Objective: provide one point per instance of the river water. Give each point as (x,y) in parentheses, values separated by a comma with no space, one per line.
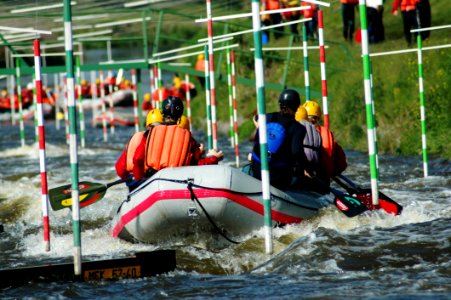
(372,256)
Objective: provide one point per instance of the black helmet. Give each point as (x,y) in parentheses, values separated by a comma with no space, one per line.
(173,107)
(290,98)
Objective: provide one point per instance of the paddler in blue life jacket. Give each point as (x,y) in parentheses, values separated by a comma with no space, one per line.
(285,143)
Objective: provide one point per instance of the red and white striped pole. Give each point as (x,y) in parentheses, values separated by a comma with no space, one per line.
(41,139)
(188,101)
(152,86)
(135,101)
(235,110)
(212,75)
(102,96)
(322,59)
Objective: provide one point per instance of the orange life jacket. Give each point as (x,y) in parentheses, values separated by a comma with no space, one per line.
(134,142)
(327,150)
(408,5)
(350,1)
(168,146)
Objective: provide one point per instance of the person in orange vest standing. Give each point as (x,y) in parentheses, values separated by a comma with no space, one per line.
(348,8)
(272,19)
(332,157)
(410,16)
(312,25)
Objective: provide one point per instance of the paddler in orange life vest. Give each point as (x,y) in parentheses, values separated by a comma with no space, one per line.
(332,157)
(130,165)
(170,145)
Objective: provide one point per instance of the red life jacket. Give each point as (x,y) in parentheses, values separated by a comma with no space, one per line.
(333,158)
(408,5)
(168,146)
(350,1)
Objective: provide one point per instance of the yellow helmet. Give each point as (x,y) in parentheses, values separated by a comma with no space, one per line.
(97,81)
(154,116)
(184,122)
(200,56)
(147,97)
(301,114)
(127,82)
(313,108)
(84,82)
(177,82)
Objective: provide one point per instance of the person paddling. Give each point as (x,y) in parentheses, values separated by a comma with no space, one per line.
(130,164)
(333,159)
(285,143)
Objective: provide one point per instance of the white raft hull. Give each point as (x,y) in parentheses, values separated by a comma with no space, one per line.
(163,206)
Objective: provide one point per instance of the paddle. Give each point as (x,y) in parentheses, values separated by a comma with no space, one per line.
(90,192)
(347,204)
(364,195)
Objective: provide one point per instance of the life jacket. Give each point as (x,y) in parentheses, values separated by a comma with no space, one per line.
(168,146)
(408,5)
(133,144)
(309,13)
(275,134)
(312,143)
(350,1)
(327,150)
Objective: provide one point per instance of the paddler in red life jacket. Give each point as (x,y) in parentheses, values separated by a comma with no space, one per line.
(130,165)
(170,145)
(332,157)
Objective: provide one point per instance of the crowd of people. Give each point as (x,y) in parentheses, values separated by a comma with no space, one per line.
(415,14)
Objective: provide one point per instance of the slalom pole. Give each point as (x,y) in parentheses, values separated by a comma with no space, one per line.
(135,101)
(212,75)
(306,66)
(207,99)
(11,99)
(102,96)
(287,61)
(57,96)
(374,121)
(110,89)
(39,113)
(422,106)
(19,98)
(35,107)
(322,58)
(66,109)
(261,106)
(80,103)
(229,85)
(73,136)
(93,96)
(152,87)
(235,110)
(371,129)
(188,101)
(158,103)
(160,85)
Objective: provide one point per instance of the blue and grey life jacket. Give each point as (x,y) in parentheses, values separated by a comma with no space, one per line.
(275,134)
(312,143)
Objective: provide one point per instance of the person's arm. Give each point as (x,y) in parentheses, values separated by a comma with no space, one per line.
(138,160)
(395,7)
(121,165)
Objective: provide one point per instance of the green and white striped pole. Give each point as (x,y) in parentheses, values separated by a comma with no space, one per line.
(229,85)
(57,94)
(235,110)
(371,129)
(261,107)
(80,104)
(160,85)
(207,98)
(19,98)
(11,98)
(72,136)
(102,96)
(422,106)
(306,67)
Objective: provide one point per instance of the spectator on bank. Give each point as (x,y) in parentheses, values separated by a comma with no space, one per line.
(375,11)
(348,8)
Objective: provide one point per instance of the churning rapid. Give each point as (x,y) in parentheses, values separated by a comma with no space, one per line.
(372,255)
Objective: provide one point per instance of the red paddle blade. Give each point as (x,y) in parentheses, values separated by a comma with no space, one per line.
(385,202)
